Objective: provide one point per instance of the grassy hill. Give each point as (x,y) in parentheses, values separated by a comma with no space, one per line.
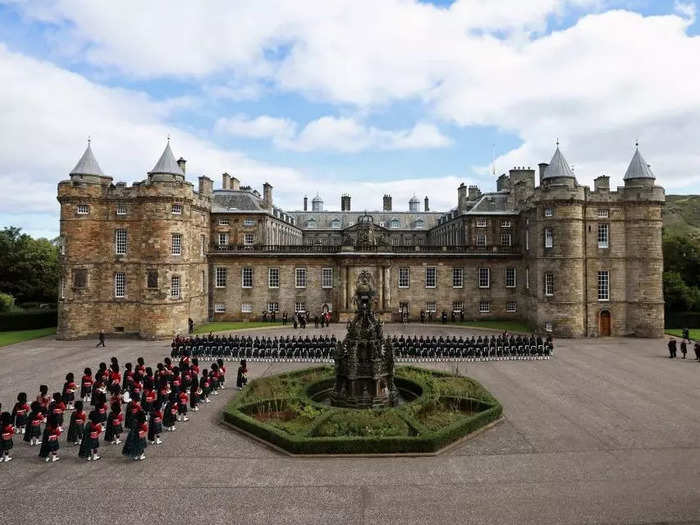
(682,216)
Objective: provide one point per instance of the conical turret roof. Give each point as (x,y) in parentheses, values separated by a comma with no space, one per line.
(638,168)
(166,164)
(558,167)
(87,165)
(317,198)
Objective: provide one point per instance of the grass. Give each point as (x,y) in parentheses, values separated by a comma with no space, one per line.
(17,336)
(226,327)
(511,326)
(694,333)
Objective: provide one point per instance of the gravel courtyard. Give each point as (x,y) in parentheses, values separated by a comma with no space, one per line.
(608,431)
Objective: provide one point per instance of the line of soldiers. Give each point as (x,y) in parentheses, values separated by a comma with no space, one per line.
(321,348)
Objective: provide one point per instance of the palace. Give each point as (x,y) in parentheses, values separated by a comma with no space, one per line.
(145,258)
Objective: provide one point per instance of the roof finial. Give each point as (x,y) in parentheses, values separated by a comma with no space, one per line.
(89,140)
(168,138)
(557,142)
(636,143)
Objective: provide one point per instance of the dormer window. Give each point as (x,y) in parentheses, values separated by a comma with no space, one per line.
(311,223)
(420,224)
(395,223)
(335,224)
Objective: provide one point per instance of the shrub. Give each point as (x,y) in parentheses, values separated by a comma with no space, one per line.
(7,302)
(27,320)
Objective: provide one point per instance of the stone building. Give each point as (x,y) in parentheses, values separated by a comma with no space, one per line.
(566,258)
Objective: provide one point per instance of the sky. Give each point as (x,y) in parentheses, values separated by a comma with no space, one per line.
(364,97)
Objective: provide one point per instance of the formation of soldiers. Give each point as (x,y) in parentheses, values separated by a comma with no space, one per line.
(321,348)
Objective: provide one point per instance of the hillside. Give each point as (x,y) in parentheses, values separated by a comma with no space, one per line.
(682,216)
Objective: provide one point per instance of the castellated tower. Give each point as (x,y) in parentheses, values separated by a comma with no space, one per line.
(133,258)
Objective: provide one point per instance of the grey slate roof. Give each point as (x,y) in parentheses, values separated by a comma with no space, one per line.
(166,164)
(558,167)
(638,168)
(233,201)
(491,203)
(87,165)
(332,220)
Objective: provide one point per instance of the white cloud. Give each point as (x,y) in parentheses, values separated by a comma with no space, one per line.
(332,134)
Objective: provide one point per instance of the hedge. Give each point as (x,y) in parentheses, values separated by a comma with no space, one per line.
(28,320)
(682,320)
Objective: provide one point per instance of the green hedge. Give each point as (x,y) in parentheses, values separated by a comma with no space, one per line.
(426,441)
(682,320)
(28,320)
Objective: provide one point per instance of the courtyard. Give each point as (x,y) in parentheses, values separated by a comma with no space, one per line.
(606,432)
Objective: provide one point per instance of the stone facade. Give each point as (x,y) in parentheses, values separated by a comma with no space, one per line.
(568,259)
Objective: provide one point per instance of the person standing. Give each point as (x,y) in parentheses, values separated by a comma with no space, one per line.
(684,348)
(101,338)
(284,318)
(697,350)
(6,433)
(49,443)
(672,348)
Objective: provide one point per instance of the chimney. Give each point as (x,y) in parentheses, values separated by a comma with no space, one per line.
(427,204)
(387,202)
(306,203)
(601,183)
(235,184)
(225,181)
(474,193)
(462,198)
(345,202)
(181,162)
(543,166)
(206,185)
(267,195)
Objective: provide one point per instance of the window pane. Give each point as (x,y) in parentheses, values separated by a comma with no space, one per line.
(457,277)
(175,286)
(273,278)
(247,277)
(603,286)
(300,279)
(484,278)
(510,277)
(176,244)
(404,278)
(221,277)
(603,235)
(430,277)
(327,278)
(120,284)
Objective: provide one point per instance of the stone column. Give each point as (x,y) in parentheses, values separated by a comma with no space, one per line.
(380,288)
(343,287)
(387,288)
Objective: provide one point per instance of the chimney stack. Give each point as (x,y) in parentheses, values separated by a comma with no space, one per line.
(601,183)
(345,202)
(206,186)
(181,162)
(462,198)
(235,184)
(543,166)
(306,203)
(474,193)
(267,195)
(225,181)
(427,204)
(387,202)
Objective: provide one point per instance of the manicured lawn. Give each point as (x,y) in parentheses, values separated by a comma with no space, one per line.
(511,326)
(10,338)
(225,327)
(694,333)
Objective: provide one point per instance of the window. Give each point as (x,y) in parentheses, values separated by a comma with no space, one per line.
(419,224)
(299,307)
(152,279)
(246,308)
(120,284)
(430,277)
(62,287)
(223,221)
(404,278)
(458,306)
(548,326)
(549,284)
(603,213)
(403,308)
(203,244)
(177,209)
(484,278)
(527,239)
(481,223)
(120,242)
(457,277)
(62,245)
(548,212)
(506,239)
(484,307)
(219,308)
(510,277)
(246,277)
(176,244)
(121,209)
(505,224)
(248,238)
(204,281)
(175,286)
(335,224)
(511,307)
(273,307)
(395,223)
(603,237)
(300,277)
(83,209)
(603,285)
(481,239)
(430,307)
(221,277)
(223,239)
(249,222)
(327,278)
(548,238)
(79,278)
(273,277)
(527,278)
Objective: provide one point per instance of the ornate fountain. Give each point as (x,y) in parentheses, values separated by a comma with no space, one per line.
(364,361)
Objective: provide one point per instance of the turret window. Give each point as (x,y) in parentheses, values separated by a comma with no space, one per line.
(80,278)
(175,287)
(603,285)
(177,209)
(549,284)
(152,279)
(603,235)
(176,244)
(83,209)
(548,238)
(120,284)
(120,241)
(121,209)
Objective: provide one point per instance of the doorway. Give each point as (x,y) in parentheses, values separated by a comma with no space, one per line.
(605,323)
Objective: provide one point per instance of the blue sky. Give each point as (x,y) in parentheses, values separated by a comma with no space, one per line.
(400,97)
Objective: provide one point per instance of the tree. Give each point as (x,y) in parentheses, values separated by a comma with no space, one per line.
(29,268)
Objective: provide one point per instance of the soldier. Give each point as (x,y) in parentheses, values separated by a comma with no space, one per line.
(684,348)
(672,348)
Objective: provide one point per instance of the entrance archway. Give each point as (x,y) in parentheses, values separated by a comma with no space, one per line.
(605,322)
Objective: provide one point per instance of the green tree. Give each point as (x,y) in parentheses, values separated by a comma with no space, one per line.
(682,255)
(29,268)
(7,302)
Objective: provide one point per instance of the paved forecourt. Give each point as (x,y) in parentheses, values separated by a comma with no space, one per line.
(606,431)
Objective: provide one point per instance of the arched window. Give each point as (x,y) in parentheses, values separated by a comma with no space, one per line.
(311,223)
(335,223)
(395,223)
(420,224)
